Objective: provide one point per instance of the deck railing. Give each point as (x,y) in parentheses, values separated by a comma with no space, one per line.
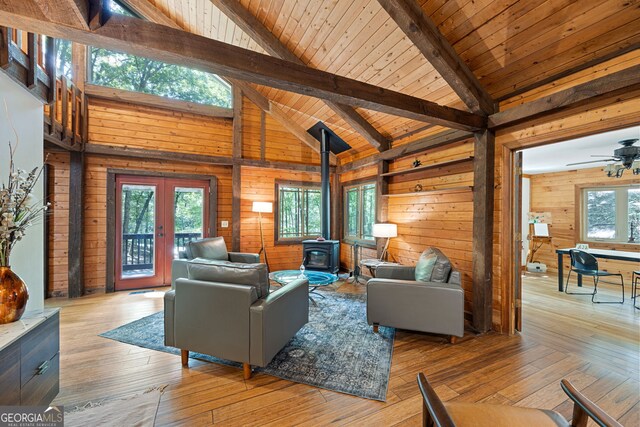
(137,249)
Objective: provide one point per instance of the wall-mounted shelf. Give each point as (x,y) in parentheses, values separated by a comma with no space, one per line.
(428,167)
(435,191)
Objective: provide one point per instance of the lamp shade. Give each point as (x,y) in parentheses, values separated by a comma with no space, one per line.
(264,207)
(385,230)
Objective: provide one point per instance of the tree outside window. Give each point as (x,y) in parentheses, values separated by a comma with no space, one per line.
(611,214)
(360,211)
(134,73)
(298,217)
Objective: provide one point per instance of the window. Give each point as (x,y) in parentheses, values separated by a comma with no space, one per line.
(611,214)
(298,215)
(359,211)
(134,73)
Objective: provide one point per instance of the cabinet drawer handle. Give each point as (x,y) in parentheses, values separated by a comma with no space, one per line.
(44,367)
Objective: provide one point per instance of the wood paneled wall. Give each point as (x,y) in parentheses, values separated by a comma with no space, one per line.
(137,126)
(133,126)
(95,225)
(57,282)
(443,220)
(258,184)
(555,193)
(260,131)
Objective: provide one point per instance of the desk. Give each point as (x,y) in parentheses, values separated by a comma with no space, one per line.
(598,253)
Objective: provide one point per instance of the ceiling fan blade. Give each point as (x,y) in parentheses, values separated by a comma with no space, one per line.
(592,161)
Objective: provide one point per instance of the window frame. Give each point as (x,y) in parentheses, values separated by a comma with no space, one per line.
(622,209)
(359,184)
(305,185)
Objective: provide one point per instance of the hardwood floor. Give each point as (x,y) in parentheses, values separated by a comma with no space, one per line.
(595,346)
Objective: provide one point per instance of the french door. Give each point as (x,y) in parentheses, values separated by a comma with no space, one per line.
(155,218)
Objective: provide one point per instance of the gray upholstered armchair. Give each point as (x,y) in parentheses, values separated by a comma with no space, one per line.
(395,298)
(227,311)
(212,249)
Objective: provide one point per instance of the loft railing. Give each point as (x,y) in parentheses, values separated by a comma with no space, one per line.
(137,249)
(30,59)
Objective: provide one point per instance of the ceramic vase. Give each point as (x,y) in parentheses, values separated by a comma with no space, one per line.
(13,296)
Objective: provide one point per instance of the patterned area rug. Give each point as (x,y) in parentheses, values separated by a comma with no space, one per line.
(336,350)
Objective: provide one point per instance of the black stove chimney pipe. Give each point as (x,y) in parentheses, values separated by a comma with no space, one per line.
(325,212)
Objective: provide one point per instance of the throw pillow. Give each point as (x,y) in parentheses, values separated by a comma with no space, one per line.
(210,248)
(425,265)
(442,267)
(255,275)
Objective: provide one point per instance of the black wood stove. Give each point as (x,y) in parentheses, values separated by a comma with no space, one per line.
(324,254)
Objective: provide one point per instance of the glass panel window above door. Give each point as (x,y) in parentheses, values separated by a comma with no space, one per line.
(188,211)
(138,230)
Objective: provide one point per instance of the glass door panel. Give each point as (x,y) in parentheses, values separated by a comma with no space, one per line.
(189,220)
(138,230)
(155,218)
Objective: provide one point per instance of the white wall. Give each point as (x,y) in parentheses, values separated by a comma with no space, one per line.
(27,257)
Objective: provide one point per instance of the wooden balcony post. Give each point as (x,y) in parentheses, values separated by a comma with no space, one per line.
(65,108)
(32,55)
(5,40)
(75,115)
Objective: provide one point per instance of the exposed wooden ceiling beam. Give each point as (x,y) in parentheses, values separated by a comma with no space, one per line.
(153,14)
(436,48)
(609,86)
(166,44)
(69,12)
(243,18)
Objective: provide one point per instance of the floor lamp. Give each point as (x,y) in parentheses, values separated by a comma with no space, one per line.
(385,230)
(262,207)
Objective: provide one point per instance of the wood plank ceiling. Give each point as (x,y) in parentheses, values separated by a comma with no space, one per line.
(508,44)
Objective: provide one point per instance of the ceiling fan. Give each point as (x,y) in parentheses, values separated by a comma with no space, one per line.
(626,157)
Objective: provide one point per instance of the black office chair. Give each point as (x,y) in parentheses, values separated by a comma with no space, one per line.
(587,265)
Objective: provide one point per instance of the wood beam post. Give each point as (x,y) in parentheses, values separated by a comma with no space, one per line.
(236,173)
(483,194)
(382,203)
(5,42)
(76,225)
(65,108)
(50,68)
(32,55)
